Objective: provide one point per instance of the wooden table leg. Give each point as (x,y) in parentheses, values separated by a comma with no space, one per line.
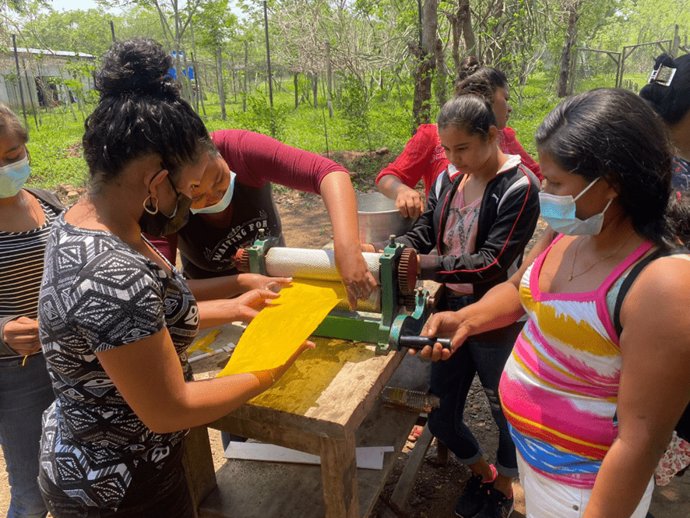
(339,477)
(198,465)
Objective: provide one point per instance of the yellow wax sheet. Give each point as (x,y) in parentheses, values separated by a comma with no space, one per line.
(279,329)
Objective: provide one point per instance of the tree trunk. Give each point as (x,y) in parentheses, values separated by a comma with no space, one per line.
(295,80)
(426,61)
(441,74)
(315,88)
(221,86)
(567,54)
(467,31)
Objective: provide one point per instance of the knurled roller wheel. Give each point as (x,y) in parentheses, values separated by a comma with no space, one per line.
(407,272)
(242,260)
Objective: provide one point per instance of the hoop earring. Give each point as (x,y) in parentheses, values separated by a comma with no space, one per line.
(153,211)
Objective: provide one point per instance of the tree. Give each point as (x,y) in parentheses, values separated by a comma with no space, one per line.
(215,25)
(426,63)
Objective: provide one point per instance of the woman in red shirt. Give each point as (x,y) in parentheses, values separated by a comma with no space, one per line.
(423,157)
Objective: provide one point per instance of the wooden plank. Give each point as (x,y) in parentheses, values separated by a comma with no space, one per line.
(341,407)
(405,484)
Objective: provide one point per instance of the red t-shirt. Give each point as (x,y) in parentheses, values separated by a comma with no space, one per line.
(423,157)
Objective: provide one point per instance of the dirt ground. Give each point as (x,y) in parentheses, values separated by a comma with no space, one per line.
(306,224)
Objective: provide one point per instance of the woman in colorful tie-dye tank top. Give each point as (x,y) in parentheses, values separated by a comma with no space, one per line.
(588,412)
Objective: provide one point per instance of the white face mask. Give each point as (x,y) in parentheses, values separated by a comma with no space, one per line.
(223,203)
(13,177)
(559,213)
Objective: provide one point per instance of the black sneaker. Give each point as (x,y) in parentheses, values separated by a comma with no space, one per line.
(473,497)
(496,505)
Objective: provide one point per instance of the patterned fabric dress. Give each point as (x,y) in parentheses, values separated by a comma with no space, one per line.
(681,174)
(98,294)
(559,388)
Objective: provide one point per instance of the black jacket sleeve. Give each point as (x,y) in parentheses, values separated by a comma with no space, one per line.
(422,236)
(507,237)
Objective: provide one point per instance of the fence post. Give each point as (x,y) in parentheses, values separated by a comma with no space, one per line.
(19,80)
(295,80)
(246,68)
(31,97)
(221,85)
(676,42)
(268,57)
(329,79)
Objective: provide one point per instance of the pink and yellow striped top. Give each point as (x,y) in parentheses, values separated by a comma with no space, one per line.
(559,388)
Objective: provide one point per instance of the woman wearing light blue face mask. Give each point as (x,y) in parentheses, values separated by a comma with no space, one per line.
(599,376)
(25,391)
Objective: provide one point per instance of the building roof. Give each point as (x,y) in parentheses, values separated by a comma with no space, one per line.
(48,52)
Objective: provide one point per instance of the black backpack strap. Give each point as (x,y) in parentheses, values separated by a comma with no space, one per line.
(47,197)
(630,278)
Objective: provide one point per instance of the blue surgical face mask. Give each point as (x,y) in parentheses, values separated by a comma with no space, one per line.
(13,177)
(223,203)
(559,213)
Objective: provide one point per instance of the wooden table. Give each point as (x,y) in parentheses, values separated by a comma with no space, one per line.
(321,407)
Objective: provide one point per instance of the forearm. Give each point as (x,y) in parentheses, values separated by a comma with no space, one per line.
(623,478)
(215,288)
(341,204)
(499,307)
(390,186)
(212,315)
(201,402)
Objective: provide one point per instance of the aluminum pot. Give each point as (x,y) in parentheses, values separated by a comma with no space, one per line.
(378,218)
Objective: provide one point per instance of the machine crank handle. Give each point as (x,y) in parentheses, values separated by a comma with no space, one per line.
(419,342)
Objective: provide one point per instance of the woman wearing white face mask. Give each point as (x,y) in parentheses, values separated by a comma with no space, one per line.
(581,391)
(25,391)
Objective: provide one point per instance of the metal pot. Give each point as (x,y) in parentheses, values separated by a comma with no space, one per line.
(378,218)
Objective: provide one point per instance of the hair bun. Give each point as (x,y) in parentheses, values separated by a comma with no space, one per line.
(468,66)
(137,66)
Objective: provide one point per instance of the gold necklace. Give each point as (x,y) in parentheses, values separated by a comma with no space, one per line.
(574,275)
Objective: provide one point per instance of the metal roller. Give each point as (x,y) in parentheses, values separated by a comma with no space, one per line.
(307,263)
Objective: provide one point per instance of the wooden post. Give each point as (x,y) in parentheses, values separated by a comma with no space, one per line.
(315,88)
(268,57)
(199,91)
(112,30)
(19,80)
(221,86)
(329,80)
(676,42)
(246,67)
(31,97)
(295,81)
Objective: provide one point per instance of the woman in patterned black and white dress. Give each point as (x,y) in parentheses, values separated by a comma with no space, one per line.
(115,317)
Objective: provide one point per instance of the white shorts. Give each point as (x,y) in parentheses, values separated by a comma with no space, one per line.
(546,498)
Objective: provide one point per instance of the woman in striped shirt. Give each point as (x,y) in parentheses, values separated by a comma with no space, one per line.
(25,391)
(591,409)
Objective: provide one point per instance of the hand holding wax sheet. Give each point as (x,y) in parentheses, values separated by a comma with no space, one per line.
(278,331)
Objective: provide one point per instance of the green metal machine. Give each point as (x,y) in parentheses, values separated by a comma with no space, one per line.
(400,308)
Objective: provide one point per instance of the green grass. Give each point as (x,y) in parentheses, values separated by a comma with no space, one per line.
(56,151)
